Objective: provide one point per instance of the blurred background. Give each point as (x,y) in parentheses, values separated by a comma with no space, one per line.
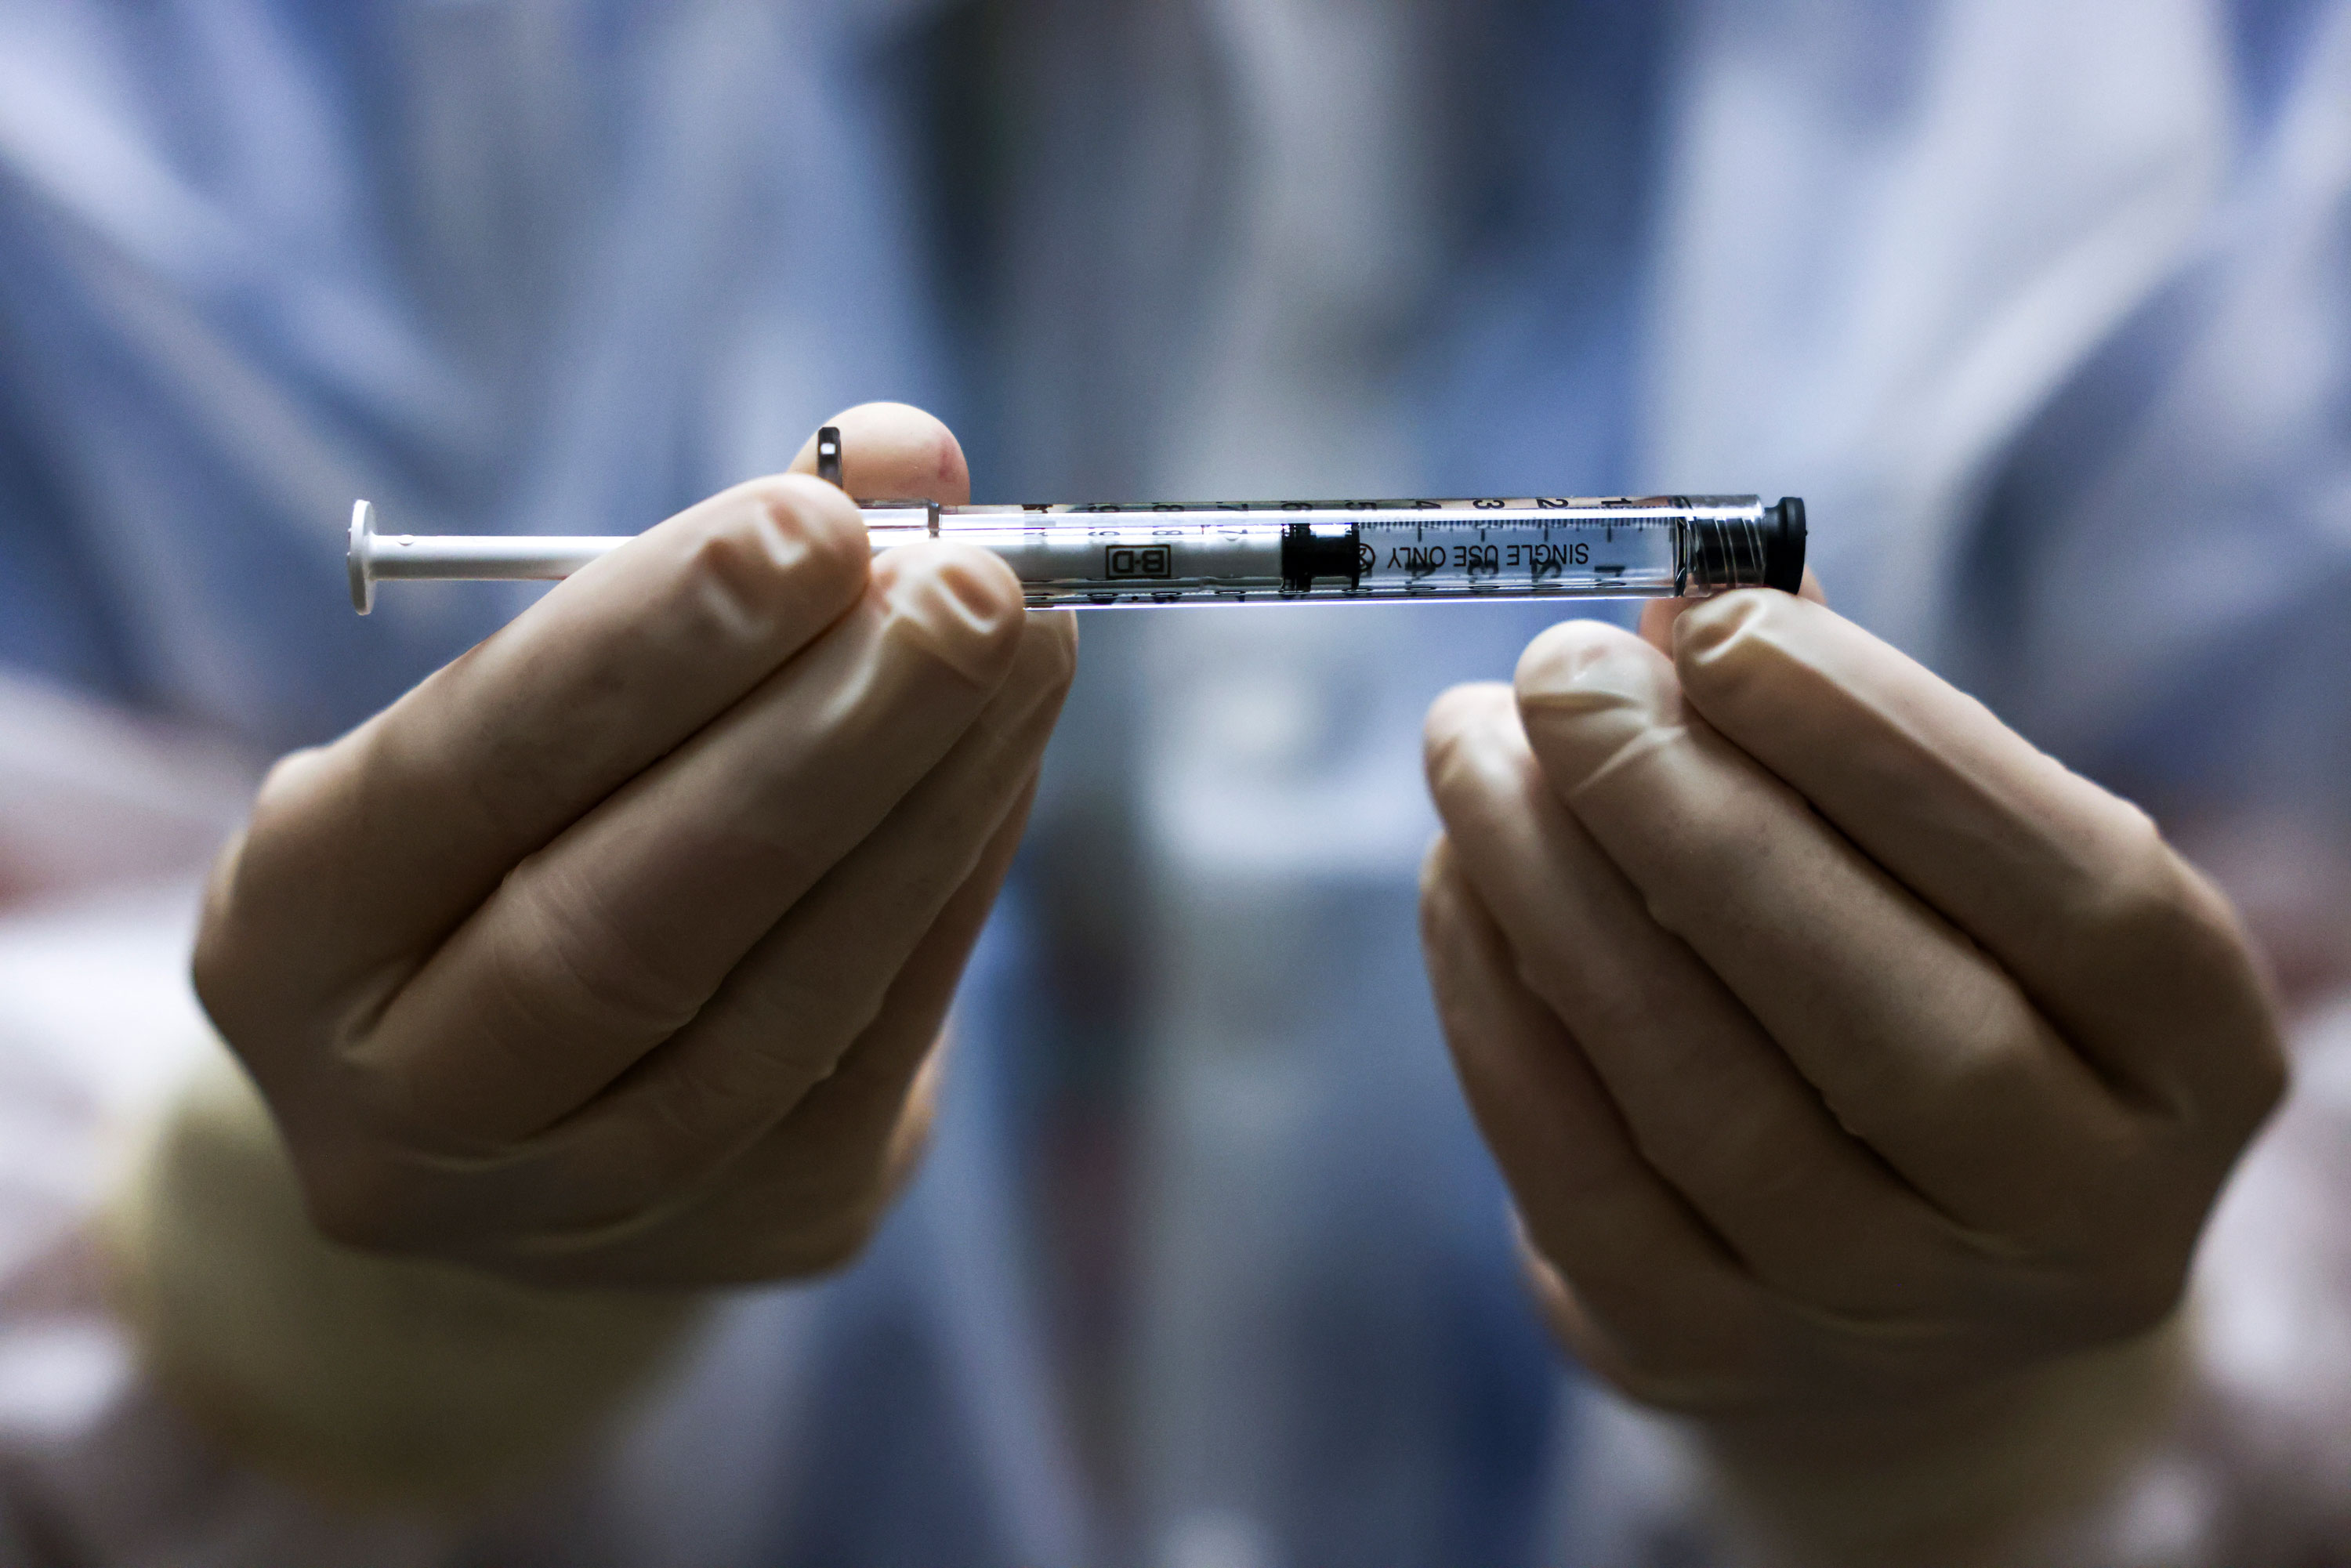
(2043,307)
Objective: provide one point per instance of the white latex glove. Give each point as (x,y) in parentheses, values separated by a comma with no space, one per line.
(614,952)
(1862,1076)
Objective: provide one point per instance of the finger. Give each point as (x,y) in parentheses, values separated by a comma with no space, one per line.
(806,1196)
(1688,1326)
(1917,1041)
(1710,1102)
(2134,956)
(1660,616)
(497,753)
(893,451)
(782,1022)
(615,935)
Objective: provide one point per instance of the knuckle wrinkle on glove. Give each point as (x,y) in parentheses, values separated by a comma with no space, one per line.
(356,1199)
(795,550)
(960,607)
(1724,645)
(567,969)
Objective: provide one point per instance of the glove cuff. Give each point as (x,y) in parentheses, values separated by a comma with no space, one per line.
(368,1380)
(1980,1480)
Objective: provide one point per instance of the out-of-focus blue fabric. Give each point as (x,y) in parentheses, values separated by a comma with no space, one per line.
(2161,573)
(499,267)
(1534,364)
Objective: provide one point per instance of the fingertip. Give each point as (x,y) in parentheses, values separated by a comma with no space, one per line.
(1454,918)
(1044,668)
(1457,710)
(1456,934)
(1561,1313)
(1438,867)
(1588,694)
(895,450)
(1054,634)
(1578,663)
(910,1136)
(1559,651)
(211,962)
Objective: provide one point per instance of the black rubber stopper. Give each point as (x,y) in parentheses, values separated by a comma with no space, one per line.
(1307,554)
(827,454)
(1784,544)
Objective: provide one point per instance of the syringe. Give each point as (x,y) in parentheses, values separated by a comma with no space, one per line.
(1292,552)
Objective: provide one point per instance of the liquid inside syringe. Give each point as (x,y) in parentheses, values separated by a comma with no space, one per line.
(1088,557)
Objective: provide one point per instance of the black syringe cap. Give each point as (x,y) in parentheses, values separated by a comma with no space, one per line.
(1784,544)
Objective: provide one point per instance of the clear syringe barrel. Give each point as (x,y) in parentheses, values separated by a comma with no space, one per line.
(1566,547)
(1088,557)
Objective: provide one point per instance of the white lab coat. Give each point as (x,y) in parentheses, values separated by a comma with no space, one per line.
(2031,302)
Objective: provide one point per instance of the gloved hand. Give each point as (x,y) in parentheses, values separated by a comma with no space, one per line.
(616,952)
(1852,1063)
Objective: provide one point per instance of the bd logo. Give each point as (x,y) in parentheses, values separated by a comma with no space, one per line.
(1137,560)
